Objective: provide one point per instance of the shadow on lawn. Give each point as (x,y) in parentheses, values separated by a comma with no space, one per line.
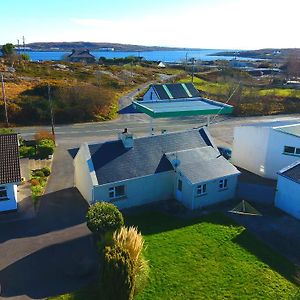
(268,256)
(153,222)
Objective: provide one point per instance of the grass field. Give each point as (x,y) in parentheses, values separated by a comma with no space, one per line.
(208,258)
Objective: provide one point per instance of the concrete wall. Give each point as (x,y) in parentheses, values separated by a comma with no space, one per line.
(214,194)
(82,177)
(288,196)
(275,159)
(150,95)
(10,204)
(250,147)
(140,191)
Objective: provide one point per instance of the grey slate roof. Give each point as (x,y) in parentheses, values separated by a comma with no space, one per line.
(112,162)
(201,164)
(292,172)
(177,90)
(9,159)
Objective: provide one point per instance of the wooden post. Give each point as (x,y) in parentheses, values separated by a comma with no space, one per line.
(4,100)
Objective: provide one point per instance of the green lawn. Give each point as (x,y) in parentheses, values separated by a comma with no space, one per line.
(208,258)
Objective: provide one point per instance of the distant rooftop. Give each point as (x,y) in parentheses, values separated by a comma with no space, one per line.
(171,91)
(292,172)
(182,107)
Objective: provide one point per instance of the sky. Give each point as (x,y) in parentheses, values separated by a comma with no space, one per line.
(208,24)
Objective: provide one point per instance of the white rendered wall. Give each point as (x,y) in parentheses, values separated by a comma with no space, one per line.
(139,191)
(82,177)
(288,196)
(213,194)
(250,147)
(275,159)
(10,204)
(150,95)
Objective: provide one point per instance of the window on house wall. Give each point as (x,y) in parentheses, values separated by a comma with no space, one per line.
(223,184)
(201,189)
(3,193)
(291,150)
(117,191)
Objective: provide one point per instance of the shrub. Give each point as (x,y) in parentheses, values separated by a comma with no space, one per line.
(132,240)
(35,182)
(38,173)
(117,279)
(46,171)
(104,218)
(45,148)
(27,151)
(44,135)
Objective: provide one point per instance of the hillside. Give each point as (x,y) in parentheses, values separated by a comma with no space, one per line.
(67,46)
(271,53)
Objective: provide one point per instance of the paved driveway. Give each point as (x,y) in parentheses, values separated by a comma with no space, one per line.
(53,253)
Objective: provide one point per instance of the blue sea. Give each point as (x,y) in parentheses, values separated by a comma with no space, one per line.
(165,56)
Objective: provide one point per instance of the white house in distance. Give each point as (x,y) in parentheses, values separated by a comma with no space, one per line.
(131,172)
(288,190)
(266,148)
(10,174)
(171,91)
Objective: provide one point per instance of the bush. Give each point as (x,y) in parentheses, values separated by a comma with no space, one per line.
(27,151)
(46,171)
(35,182)
(38,173)
(132,241)
(117,279)
(44,135)
(45,148)
(104,218)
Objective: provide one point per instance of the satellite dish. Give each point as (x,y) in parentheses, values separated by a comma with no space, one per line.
(176,163)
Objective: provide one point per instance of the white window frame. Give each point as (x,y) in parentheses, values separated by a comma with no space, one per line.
(223,184)
(112,192)
(292,153)
(3,198)
(201,189)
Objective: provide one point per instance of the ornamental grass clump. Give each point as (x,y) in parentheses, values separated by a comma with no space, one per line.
(132,241)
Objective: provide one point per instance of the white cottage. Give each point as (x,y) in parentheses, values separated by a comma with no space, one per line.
(288,190)
(131,172)
(171,91)
(265,148)
(10,175)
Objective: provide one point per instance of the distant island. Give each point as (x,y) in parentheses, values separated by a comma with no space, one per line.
(92,46)
(270,53)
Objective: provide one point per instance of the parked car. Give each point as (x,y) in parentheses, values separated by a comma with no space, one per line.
(226,152)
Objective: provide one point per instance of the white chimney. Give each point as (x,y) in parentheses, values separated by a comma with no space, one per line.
(126,138)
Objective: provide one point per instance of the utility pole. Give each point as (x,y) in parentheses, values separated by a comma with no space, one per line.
(193,65)
(51,110)
(23,44)
(4,100)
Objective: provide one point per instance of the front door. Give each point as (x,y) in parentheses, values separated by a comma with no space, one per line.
(179,190)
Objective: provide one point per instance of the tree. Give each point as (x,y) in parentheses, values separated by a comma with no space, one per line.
(8,49)
(103,219)
(25,56)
